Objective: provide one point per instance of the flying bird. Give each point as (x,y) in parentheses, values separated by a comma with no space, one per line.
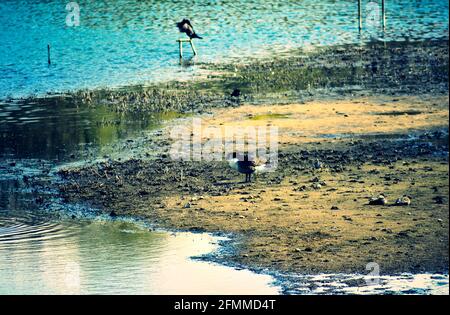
(185,26)
(246,165)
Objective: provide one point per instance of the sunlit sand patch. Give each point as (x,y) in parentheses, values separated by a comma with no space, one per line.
(336,119)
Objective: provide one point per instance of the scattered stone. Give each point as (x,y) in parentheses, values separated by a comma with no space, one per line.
(334,208)
(317,164)
(403,201)
(439,200)
(143,193)
(113,214)
(347,218)
(187,206)
(381,200)
(301,188)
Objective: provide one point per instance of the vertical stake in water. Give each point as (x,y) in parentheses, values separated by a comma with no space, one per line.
(48,54)
(359,16)
(180,45)
(181,48)
(383,14)
(193,47)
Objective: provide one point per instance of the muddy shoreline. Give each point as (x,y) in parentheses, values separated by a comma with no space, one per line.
(384,68)
(145,189)
(390,100)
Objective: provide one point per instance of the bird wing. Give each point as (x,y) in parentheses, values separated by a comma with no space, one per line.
(187,22)
(247,163)
(185,26)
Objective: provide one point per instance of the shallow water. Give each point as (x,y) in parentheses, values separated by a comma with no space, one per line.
(357,284)
(57,131)
(128,41)
(41,255)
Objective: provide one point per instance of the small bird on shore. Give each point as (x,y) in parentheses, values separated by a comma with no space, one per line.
(236,93)
(244,164)
(185,26)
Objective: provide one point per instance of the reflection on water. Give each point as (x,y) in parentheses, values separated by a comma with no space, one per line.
(40,256)
(131,41)
(55,132)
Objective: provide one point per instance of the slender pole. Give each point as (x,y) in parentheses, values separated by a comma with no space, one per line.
(181,48)
(193,47)
(383,14)
(48,54)
(359,16)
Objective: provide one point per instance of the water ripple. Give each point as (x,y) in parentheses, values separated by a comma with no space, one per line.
(130,42)
(17,230)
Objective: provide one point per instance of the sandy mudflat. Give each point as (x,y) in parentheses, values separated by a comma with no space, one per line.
(300,218)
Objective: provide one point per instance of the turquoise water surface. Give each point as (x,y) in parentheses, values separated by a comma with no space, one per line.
(126,42)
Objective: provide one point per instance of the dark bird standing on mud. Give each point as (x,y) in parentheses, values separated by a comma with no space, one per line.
(185,26)
(246,165)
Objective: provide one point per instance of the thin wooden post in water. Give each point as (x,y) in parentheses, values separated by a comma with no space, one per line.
(181,48)
(383,14)
(359,16)
(48,54)
(193,47)
(180,45)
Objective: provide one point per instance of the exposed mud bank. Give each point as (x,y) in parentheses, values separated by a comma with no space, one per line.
(301,218)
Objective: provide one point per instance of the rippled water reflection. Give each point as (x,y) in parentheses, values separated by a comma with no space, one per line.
(56,131)
(41,256)
(128,41)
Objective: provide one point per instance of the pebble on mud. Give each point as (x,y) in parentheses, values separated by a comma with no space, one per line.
(403,201)
(381,200)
